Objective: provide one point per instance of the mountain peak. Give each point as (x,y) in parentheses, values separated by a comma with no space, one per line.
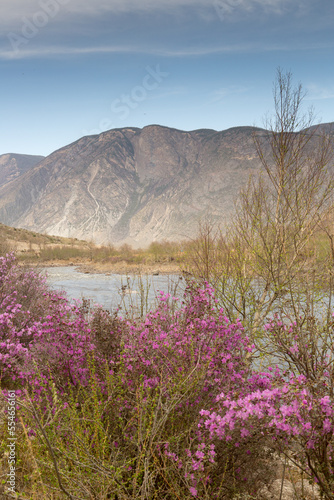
(132,185)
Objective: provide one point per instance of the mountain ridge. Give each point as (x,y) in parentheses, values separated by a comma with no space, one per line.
(132,185)
(14,165)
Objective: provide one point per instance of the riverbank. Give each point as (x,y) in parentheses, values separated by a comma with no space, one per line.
(125,268)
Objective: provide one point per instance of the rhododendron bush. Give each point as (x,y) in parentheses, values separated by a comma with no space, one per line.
(40,330)
(295,406)
(165,406)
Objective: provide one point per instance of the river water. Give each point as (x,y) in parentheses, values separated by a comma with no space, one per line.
(114,290)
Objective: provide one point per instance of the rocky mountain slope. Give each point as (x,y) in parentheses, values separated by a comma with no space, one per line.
(133,185)
(12,166)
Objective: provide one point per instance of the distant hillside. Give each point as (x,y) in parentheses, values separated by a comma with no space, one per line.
(13,165)
(30,243)
(134,185)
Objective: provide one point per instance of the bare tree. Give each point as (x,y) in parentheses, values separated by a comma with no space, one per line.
(267,260)
(269,268)
(280,212)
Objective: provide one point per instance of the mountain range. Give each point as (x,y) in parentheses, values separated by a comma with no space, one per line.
(130,185)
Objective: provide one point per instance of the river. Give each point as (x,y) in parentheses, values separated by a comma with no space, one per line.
(114,290)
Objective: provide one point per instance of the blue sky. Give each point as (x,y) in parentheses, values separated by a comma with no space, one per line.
(77,67)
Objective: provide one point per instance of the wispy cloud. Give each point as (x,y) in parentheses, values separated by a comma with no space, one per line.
(49,52)
(41,52)
(13,11)
(57,51)
(222,93)
(38,28)
(318,92)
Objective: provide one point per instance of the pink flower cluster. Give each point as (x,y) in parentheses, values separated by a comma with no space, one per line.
(197,335)
(190,360)
(40,331)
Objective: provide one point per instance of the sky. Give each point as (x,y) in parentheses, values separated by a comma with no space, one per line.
(71,68)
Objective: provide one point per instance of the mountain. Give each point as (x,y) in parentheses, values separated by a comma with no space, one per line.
(133,185)
(12,166)
(324,128)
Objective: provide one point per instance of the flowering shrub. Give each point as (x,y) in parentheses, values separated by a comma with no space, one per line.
(174,364)
(195,337)
(294,408)
(162,407)
(40,331)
